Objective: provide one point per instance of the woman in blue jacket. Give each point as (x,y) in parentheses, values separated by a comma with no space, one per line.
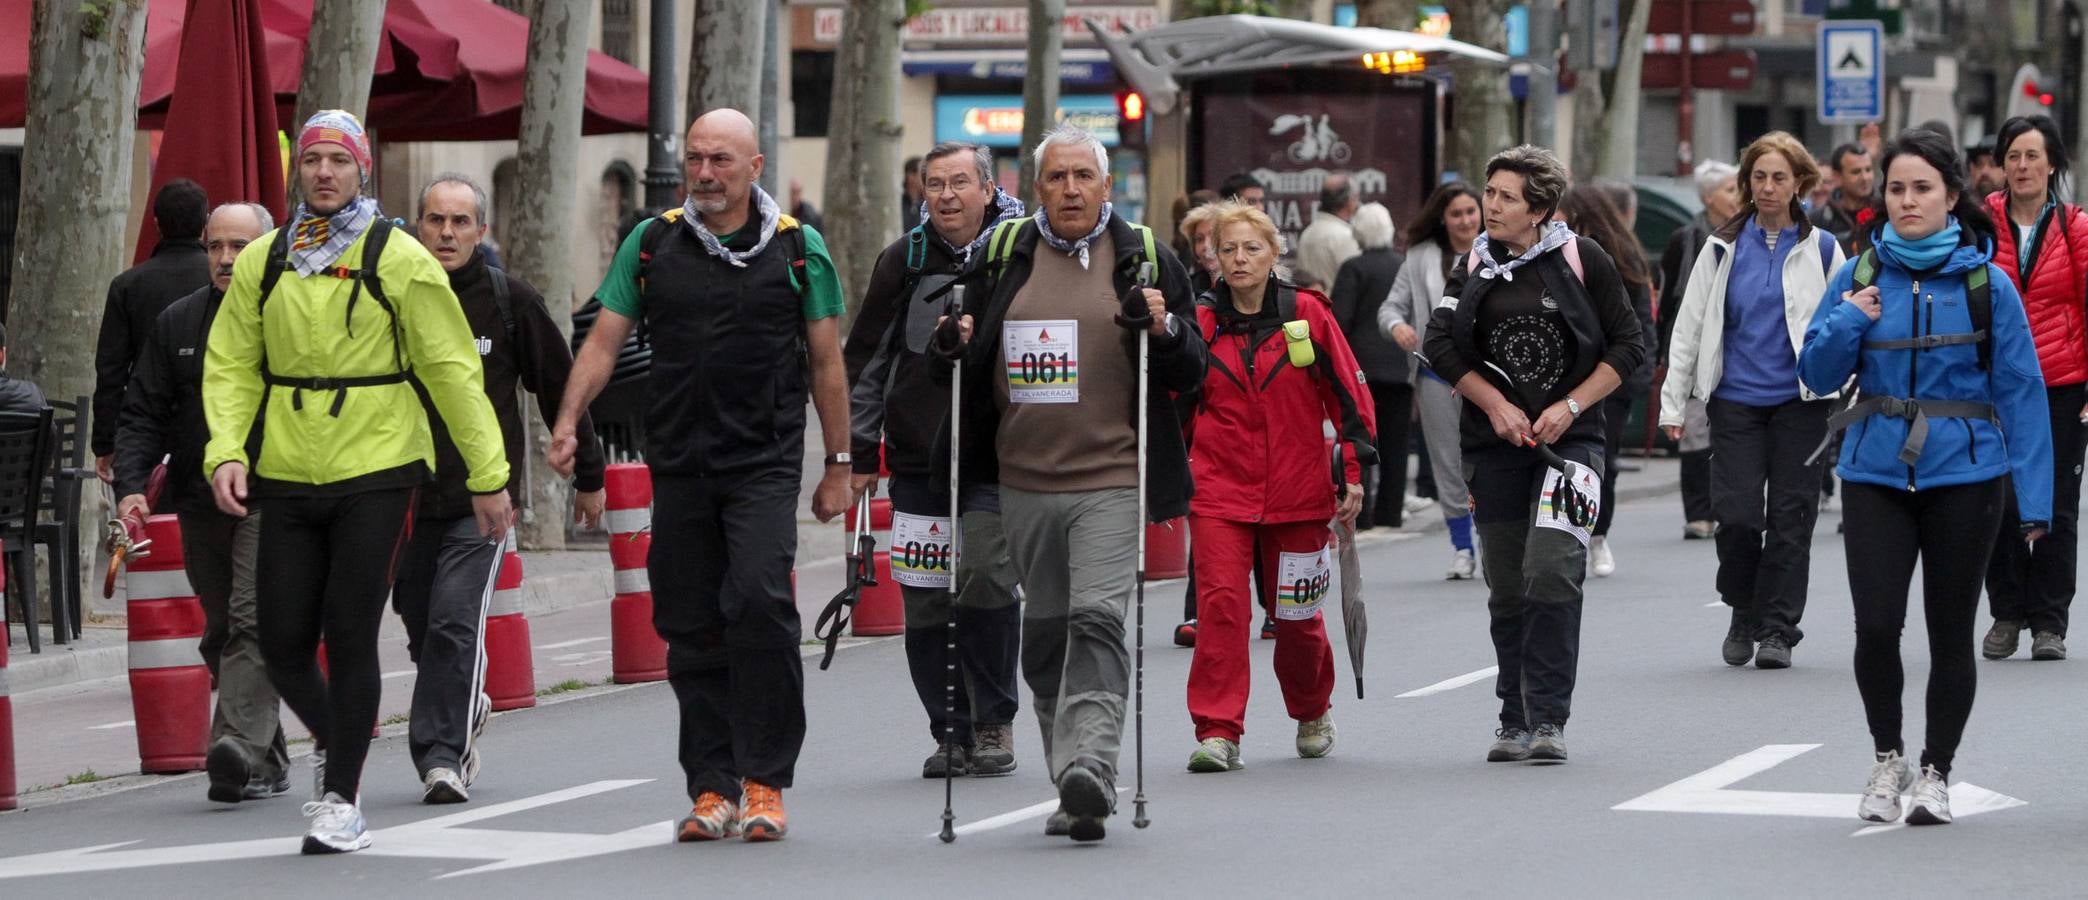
(1948,416)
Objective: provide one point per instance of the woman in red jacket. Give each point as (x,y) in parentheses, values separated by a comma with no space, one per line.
(2042,245)
(1280,369)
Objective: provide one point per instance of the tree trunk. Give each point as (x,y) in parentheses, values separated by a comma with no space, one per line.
(725,56)
(1619,131)
(546,172)
(1040,96)
(862,184)
(84,63)
(1585,143)
(1479,119)
(340,58)
(771,107)
(1401,15)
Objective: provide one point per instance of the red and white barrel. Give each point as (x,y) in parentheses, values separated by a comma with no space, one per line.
(636,651)
(7,764)
(170,686)
(510,668)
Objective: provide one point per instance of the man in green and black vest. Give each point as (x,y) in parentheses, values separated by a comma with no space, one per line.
(742,305)
(896,406)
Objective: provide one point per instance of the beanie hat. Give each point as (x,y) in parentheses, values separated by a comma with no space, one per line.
(337,126)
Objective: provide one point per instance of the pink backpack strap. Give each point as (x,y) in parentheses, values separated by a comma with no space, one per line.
(1573,261)
(1472,262)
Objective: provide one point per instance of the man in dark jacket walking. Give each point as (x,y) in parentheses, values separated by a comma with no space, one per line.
(163,416)
(178,267)
(444,587)
(1050,412)
(1361,287)
(897,408)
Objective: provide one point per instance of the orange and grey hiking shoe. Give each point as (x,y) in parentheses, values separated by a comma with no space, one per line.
(714,819)
(764,819)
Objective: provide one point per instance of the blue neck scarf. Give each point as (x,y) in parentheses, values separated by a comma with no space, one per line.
(1926,253)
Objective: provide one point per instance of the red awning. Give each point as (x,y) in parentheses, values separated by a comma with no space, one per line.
(446,69)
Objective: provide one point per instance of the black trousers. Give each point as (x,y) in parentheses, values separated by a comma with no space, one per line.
(445,584)
(989,619)
(1615,409)
(2034,583)
(1533,580)
(1950,529)
(325,570)
(1766,499)
(1384,497)
(722,550)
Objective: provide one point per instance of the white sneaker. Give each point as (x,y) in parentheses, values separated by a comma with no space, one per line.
(442,785)
(337,826)
(1462,566)
(1889,778)
(1316,738)
(1600,560)
(1931,804)
(1417,504)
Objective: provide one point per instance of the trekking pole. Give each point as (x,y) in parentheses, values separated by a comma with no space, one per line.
(949,819)
(1145,340)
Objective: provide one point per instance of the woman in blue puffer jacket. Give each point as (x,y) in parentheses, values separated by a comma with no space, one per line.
(1950,420)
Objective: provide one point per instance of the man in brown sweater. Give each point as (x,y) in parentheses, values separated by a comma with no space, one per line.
(1050,415)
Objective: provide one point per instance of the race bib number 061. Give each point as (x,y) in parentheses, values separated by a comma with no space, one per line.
(924,551)
(1043,360)
(1303,582)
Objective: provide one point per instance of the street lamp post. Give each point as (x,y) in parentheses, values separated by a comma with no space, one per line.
(662,175)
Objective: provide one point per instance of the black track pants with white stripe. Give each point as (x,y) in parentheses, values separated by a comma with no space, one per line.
(445,583)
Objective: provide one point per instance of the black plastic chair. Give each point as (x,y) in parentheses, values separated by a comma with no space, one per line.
(59,528)
(25,458)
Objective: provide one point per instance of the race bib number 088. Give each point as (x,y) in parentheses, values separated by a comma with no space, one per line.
(1303,582)
(1043,360)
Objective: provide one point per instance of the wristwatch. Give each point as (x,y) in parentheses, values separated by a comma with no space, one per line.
(1573,406)
(839,459)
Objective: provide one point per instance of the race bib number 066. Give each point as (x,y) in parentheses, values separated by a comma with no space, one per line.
(924,551)
(1043,360)
(1303,582)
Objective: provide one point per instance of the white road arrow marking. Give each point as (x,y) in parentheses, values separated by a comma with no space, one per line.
(437,838)
(1451,684)
(1710,791)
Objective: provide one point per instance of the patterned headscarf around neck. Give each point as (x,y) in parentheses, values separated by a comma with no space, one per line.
(770,214)
(1077,248)
(1003,208)
(317,241)
(1555,235)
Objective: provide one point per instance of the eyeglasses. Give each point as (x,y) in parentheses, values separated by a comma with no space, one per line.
(955,186)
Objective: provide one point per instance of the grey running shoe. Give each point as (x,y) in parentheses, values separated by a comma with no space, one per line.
(1058,824)
(993,750)
(1548,744)
(318,776)
(470,762)
(229,770)
(1511,744)
(1774,653)
(1931,803)
(1216,754)
(1889,778)
(2047,645)
(337,826)
(948,757)
(1739,645)
(1463,566)
(1087,799)
(2002,639)
(442,785)
(262,788)
(1316,738)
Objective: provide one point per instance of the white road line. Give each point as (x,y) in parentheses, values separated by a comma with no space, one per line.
(1006,819)
(399,674)
(1451,684)
(127,723)
(1714,604)
(572,643)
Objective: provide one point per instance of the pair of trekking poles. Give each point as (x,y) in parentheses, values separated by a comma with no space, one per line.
(862,573)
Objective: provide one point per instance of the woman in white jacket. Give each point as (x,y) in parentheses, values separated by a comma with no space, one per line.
(1438,237)
(1735,346)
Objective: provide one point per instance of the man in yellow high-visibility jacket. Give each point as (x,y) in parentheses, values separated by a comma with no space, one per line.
(324,323)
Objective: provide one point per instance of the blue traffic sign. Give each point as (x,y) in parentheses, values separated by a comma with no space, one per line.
(1851,83)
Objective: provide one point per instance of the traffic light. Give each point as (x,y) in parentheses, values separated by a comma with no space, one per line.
(1130,106)
(2032,93)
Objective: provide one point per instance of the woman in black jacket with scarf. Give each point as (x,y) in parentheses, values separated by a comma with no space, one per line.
(1534,331)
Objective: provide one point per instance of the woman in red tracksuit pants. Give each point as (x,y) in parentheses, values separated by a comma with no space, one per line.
(1279,370)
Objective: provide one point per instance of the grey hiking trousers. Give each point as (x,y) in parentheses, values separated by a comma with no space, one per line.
(219,552)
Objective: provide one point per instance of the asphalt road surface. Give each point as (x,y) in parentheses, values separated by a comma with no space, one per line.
(1687,778)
